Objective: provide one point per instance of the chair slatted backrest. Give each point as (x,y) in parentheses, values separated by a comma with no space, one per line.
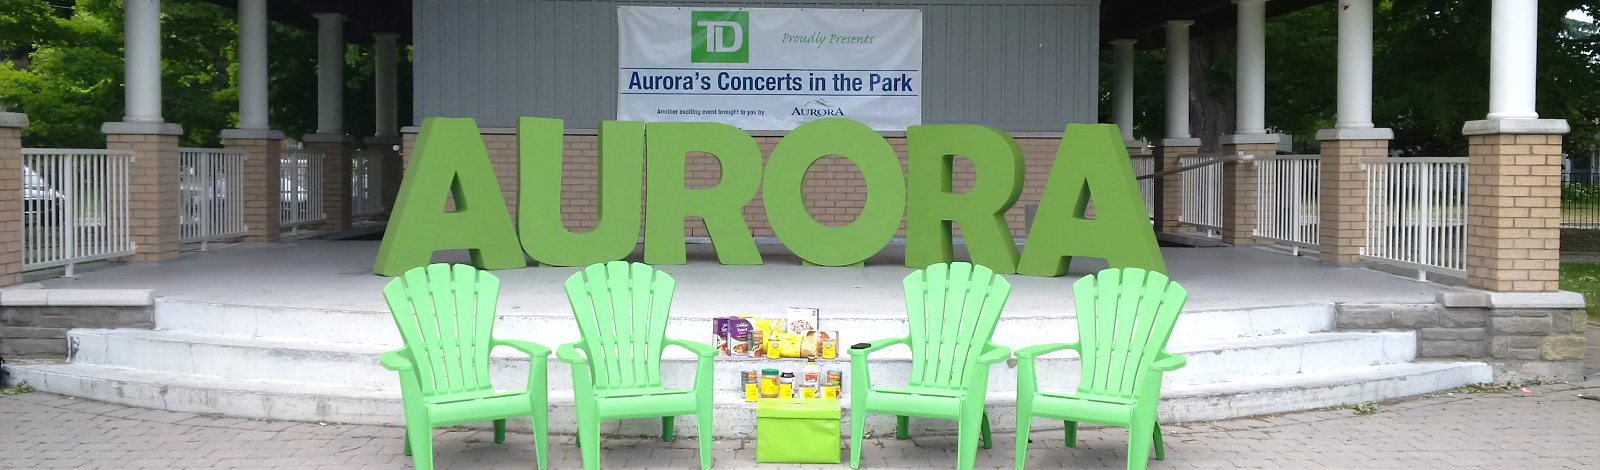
(622,311)
(953,309)
(446,318)
(1125,317)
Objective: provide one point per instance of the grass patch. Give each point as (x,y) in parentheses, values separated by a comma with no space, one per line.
(1366,408)
(1583,278)
(20,388)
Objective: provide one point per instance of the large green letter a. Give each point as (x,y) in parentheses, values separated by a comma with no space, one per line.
(449,160)
(1091,162)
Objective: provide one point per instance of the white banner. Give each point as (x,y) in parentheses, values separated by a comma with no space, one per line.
(770,68)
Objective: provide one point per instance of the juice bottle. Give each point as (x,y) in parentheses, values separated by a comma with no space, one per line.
(810,379)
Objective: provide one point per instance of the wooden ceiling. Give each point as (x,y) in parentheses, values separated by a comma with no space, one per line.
(1139,19)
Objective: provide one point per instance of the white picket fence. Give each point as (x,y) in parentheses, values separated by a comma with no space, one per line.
(1202,194)
(75,206)
(1287,204)
(366,184)
(1417,214)
(301,188)
(211,187)
(1144,165)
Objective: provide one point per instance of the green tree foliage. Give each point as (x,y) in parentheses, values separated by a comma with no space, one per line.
(61,64)
(1430,73)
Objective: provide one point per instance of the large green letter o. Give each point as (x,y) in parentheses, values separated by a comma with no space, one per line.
(886,192)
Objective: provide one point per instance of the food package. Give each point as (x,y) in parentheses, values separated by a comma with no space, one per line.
(789,344)
(739,330)
(765,328)
(801,320)
(811,345)
(719,335)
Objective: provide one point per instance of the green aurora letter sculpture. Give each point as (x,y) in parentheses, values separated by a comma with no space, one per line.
(933,206)
(785,204)
(449,160)
(720,206)
(1091,162)
(616,228)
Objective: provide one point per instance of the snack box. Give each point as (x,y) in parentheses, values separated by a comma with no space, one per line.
(801,320)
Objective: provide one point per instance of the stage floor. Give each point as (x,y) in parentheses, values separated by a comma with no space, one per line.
(337,275)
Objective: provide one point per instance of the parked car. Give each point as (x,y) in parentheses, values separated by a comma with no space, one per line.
(295,198)
(41,203)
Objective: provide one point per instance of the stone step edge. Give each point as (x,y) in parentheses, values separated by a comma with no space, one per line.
(678,354)
(723,398)
(567,315)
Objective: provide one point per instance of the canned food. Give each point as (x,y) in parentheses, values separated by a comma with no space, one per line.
(830,348)
(752,387)
(830,391)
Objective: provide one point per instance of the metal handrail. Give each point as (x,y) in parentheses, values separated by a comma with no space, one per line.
(1220,159)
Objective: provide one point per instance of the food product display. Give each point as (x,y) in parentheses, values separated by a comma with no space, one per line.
(773,338)
(752,387)
(801,320)
(786,385)
(769,383)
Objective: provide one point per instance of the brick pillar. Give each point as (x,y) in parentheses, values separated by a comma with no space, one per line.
(392,167)
(1171,186)
(1239,189)
(153,197)
(1342,232)
(335,176)
(1514,204)
(262,179)
(11,125)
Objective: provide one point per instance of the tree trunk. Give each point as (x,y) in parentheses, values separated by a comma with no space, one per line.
(1211,88)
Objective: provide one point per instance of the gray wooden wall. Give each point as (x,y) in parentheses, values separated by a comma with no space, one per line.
(1019,65)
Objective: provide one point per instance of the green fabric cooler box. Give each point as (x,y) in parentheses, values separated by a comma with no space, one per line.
(797,430)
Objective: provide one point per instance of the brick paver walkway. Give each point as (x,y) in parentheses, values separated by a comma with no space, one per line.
(1548,429)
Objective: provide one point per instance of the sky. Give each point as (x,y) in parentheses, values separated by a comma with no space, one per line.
(1580,16)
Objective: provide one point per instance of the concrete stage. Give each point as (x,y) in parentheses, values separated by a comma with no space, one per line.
(337,275)
(293,330)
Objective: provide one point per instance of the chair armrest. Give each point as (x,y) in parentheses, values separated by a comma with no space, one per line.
(994,353)
(531,349)
(699,349)
(398,360)
(1168,362)
(1031,352)
(568,353)
(876,345)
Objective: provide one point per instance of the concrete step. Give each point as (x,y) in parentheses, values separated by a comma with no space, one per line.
(356,365)
(287,400)
(345,326)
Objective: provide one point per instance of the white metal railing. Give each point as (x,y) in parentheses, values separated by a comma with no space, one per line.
(75,206)
(301,188)
(211,188)
(366,184)
(1144,165)
(1287,206)
(1202,194)
(1417,213)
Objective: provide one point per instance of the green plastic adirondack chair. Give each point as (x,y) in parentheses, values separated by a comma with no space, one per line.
(1125,317)
(446,317)
(622,310)
(953,309)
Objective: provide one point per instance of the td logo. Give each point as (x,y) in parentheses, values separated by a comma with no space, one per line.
(719,37)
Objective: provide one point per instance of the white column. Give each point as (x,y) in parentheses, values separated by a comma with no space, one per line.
(253,64)
(1178,79)
(1251,94)
(383,56)
(142,60)
(1513,47)
(1355,65)
(1122,86)
(330,73)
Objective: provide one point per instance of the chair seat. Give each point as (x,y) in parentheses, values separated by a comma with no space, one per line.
(1085,407)
(917,401)
(645,402)
(477,406)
